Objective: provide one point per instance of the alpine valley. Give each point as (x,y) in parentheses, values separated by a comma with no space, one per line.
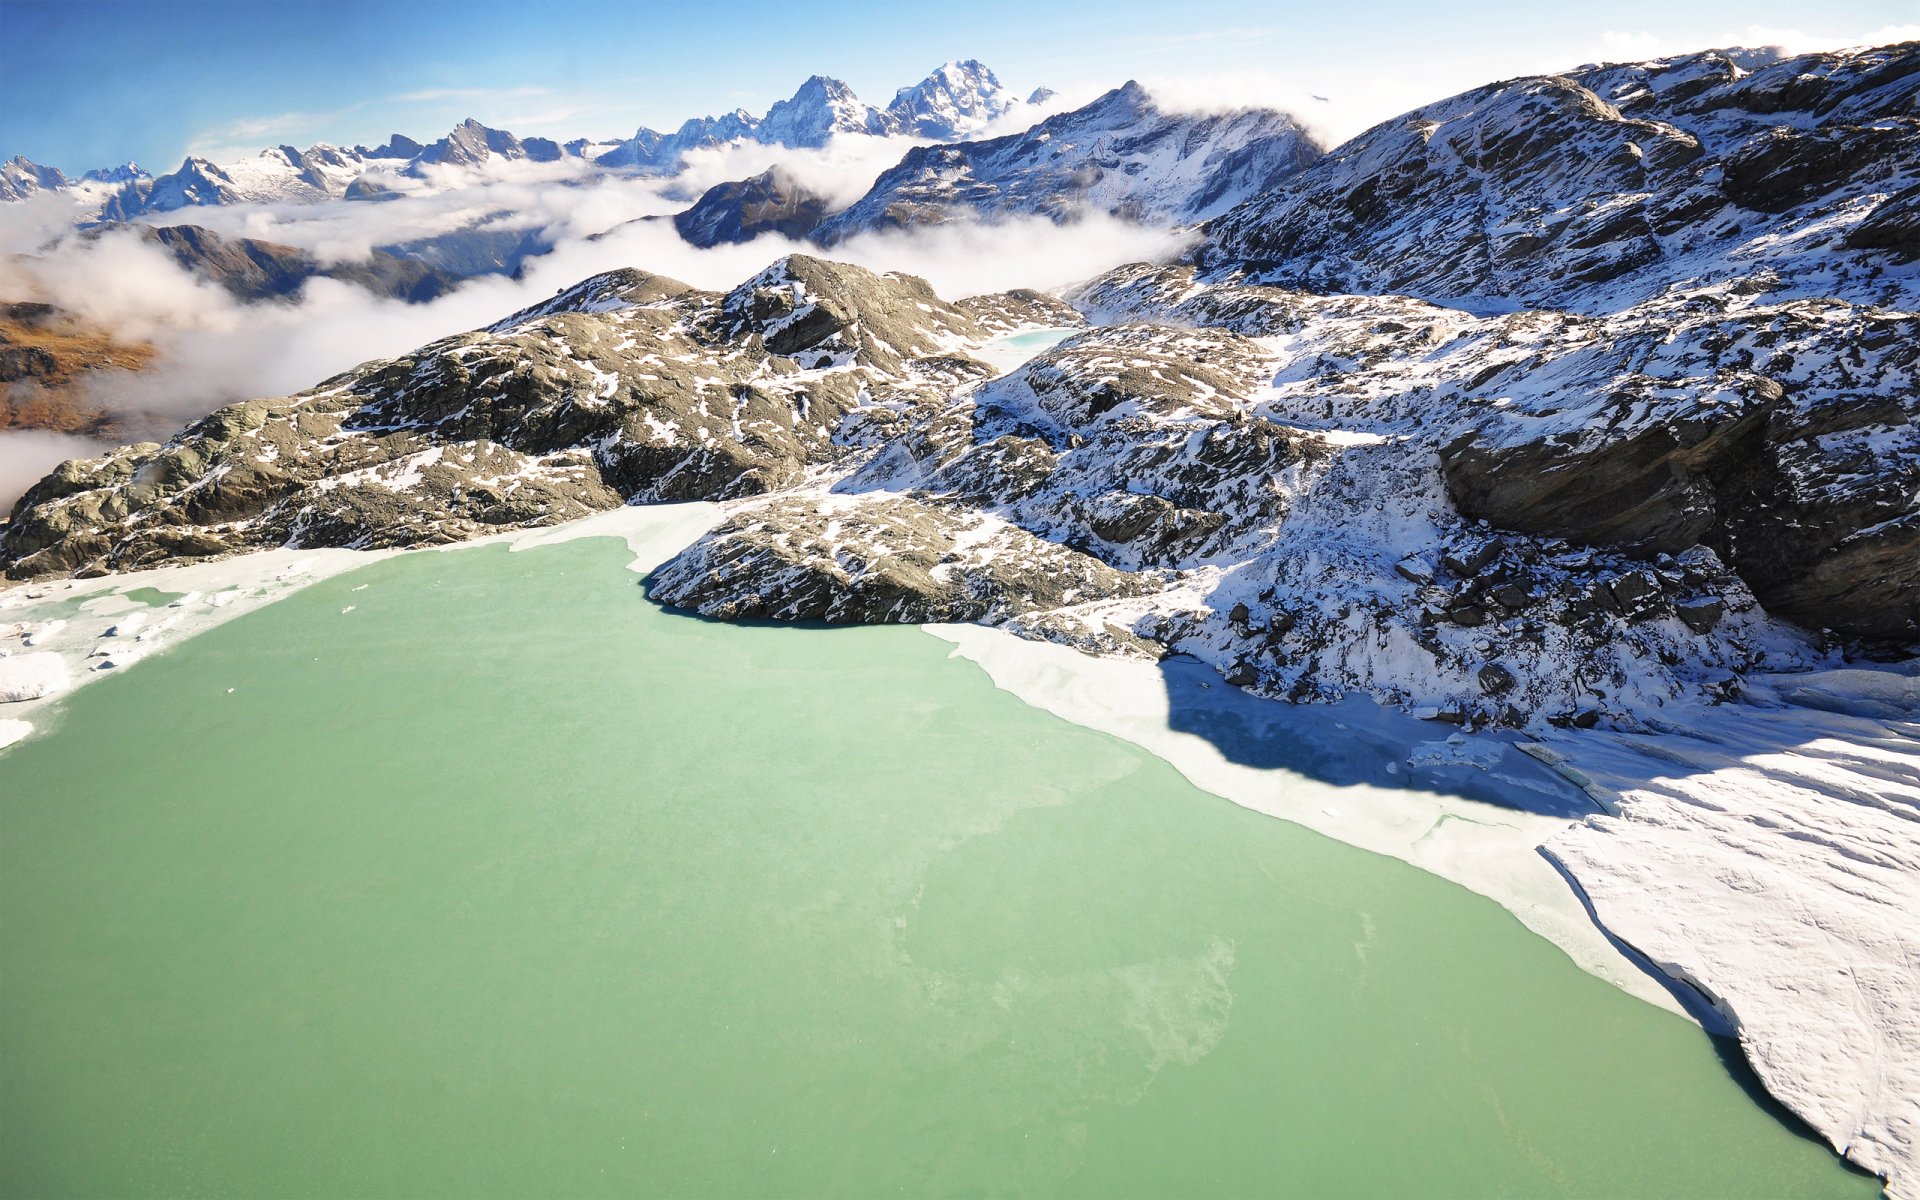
(1575,416)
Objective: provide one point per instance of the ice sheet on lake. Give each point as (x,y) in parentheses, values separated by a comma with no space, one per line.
(1771,855)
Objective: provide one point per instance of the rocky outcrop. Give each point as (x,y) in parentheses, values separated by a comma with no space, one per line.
(1734,226)
(770,202)
(1785,437)
(873,559)
(628,387)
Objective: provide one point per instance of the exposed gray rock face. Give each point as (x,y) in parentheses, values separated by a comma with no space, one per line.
(368,188)
(398,146)
(895,560)
(1121,155)
(770,202)
(1606,186)
(1786,437)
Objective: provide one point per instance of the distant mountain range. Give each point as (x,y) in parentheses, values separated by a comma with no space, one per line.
(955,101)
(1121,155)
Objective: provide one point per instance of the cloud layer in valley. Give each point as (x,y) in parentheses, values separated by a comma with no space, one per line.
(214,349)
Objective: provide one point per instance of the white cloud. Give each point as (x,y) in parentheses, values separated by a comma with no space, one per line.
(27,455)
(842,170)
(1634,45)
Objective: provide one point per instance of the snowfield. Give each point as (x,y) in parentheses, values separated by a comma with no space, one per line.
(1768,854)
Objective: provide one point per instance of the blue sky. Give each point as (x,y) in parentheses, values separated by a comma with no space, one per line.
(88,84)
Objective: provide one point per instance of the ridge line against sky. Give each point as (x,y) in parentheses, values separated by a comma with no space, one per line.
(92,83)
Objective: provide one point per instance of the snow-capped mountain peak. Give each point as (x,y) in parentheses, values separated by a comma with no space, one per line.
(21,177)
(957,99)
(820,108)
(1119,154)
(124,173)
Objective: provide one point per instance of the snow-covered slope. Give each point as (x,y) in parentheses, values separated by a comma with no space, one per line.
(819,110)
(1121,154)
(1609,185)
(1766,854)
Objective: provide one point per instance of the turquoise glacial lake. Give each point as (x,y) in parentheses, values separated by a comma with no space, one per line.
(510,883)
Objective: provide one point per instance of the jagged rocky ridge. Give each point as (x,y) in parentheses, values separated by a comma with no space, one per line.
(1121,154)
(629,387)
(1591,190)
(957,100)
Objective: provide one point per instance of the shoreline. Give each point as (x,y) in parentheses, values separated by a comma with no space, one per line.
(1484,847)
(1720,876)
(70,618)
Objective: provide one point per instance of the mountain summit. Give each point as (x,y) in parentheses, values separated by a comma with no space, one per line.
(1121,154)
(958,100)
